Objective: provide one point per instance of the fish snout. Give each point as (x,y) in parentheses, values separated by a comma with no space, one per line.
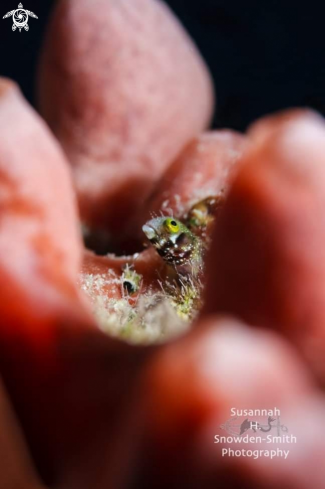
(149,231)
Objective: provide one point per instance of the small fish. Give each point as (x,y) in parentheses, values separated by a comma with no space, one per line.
(131,280)
(176,244)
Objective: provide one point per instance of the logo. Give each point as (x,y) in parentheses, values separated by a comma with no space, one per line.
(20,18)
(246,425)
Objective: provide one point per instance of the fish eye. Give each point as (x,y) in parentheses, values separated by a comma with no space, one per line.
(129,286)
(172,225)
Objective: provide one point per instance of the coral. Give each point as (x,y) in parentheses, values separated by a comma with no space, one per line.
(139,309)
(149,317)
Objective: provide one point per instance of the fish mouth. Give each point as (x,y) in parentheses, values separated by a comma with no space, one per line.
(149,231)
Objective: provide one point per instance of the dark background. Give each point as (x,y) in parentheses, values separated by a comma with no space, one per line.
(264,55)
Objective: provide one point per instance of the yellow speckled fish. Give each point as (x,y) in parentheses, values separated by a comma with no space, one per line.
(176,244)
